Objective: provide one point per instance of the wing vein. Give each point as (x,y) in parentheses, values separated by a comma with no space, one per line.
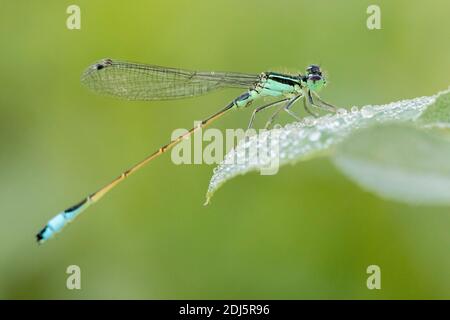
(134,81)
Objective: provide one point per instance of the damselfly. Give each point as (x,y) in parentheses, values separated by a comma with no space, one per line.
(133,81)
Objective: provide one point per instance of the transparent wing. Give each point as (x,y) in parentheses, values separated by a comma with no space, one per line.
(133,81)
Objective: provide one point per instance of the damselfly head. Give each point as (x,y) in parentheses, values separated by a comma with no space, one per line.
(313,80)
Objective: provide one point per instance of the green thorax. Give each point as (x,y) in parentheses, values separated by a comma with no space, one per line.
(273,84)
(277,84)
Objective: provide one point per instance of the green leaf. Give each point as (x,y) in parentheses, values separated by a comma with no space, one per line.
(437,114)
(398,162)
(311,137)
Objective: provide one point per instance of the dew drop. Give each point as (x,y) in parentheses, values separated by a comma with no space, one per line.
(314,136)
(367,112)
(309,121)
(277,126)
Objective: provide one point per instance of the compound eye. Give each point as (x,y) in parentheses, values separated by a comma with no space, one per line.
(314,77)
(314,69)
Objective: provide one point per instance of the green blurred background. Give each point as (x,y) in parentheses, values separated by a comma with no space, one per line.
(306,232)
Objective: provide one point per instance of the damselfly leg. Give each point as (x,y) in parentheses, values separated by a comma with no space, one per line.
(261,108)
(286,108)
(323,104)
(305,105)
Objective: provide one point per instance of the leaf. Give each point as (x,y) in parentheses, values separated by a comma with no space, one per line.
(437,114)
(398,162)
(311,137)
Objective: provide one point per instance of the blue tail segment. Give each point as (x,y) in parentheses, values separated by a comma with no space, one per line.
(58,222)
